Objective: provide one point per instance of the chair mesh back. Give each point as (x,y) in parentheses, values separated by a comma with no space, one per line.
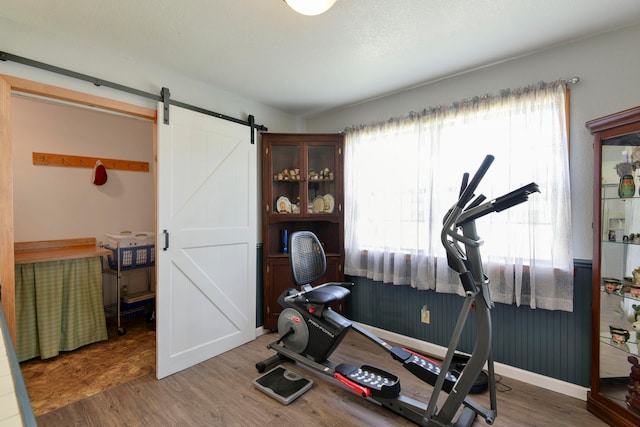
(308,262)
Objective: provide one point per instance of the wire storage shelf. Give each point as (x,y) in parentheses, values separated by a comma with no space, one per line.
(128,252)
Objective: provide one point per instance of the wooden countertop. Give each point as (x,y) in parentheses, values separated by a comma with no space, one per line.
(53,250)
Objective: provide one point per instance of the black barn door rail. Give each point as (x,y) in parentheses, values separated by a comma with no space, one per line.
(164,96)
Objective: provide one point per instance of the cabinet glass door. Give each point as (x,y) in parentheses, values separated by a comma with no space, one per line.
(285,170)
(619,258)
(321,187)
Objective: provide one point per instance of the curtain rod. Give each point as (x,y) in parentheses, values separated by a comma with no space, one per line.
(5,56)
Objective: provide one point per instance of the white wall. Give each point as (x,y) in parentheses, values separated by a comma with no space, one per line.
(55,202)
(74,54)
(608,68)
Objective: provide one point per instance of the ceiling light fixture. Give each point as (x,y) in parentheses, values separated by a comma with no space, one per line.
(310,7)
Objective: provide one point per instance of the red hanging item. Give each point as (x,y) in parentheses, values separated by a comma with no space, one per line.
(99,174)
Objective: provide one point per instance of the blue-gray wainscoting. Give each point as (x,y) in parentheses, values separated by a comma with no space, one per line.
(556,344)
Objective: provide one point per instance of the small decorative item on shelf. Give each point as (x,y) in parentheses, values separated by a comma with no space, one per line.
(283,205)
(627,186)
(329,202)
(625,167)
(633,317)
(287,175)
(285,241)
(633,389)
(635,286)
(619,335)
(612,235)
(321,174)
(611,285)
(317,205)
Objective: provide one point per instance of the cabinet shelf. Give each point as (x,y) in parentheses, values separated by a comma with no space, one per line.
(622,199)
(631,346)
(299,218)
(315,214)
(311,181)
(619,242)
(624,296)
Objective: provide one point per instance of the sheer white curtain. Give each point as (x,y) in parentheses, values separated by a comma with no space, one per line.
(401,177)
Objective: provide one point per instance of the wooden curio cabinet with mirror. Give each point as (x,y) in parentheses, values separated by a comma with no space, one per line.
(302,189)
(615,367)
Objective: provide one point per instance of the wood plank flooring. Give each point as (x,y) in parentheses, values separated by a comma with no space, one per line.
(219,392)
(75,375)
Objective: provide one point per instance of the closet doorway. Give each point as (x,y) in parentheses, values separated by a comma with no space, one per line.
(232,217)
(9,84)
(229,232)
(50,203)
(54,199)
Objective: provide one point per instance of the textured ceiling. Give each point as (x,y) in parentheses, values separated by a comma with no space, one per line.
(358,50)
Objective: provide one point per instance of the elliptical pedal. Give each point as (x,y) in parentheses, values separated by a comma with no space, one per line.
(368,381)
(424,368)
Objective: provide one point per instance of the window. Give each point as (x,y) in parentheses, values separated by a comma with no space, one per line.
(401,177)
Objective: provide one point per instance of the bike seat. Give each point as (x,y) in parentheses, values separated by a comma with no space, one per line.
(326,294)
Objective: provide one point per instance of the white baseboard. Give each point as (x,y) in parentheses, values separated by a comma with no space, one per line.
(260,330)
(532,378)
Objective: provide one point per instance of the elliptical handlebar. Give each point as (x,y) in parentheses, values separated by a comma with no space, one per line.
(467,194)
(450,237)
(459,226)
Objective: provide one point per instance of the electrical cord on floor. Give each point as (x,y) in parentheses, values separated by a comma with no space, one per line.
(500,386)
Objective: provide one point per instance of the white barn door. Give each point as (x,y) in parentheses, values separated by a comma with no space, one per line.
(207,192)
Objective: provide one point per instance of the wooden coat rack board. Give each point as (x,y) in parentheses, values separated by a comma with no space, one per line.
(48,159)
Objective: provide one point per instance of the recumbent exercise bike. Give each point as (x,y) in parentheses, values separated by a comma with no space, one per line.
(310,330)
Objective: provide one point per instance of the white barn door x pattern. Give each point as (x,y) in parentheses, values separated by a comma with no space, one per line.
(207,227)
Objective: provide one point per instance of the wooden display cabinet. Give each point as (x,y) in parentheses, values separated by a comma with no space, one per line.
(615,381)
(302,189)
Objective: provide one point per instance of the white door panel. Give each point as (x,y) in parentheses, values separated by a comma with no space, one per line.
(207,194)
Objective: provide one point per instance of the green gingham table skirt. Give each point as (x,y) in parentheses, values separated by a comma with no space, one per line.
(59,306)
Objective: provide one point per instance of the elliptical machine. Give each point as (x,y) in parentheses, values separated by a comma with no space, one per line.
(310,330)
